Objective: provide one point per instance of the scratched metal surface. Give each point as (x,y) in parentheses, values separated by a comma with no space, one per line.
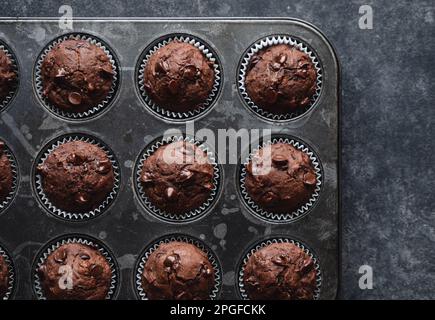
(127,127)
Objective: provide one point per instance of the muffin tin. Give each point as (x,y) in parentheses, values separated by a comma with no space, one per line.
(230,229)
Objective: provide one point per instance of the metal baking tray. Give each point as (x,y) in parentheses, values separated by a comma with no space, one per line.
(127,127)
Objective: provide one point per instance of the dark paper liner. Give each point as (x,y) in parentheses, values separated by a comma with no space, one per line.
(268,216)
(212,257)
(161,112)
(243,69)
(241,267)
(6,102)
(12,277)
(80,239)
(94,111)
(38,185)
(4,205)
(191,215)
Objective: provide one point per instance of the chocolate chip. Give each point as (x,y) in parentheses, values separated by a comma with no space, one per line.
(173,86)
(269,197)
(254,60)
(75,98)
(96,270)
(208,186)
(169,261)
(82,198)
(60,73)
(106,70)
(147,86)
(309,178)
(307,265)
(103,166)
(159,68)
(207,271)
(41,168)
(170,193)
(60,256)
(84,256)
(75,159)
(185,175)
(146,177)
(91,87)
(190,72)
(279,160)
(276,66)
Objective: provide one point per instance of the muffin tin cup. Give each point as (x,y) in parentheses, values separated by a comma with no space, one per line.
(273,217)
(143,258)
(192,215)
(4,104)
(12,277)
(51,246)
(166,114)
(38,180)
(94,111)
(15,179)
(243,70)
(254,248)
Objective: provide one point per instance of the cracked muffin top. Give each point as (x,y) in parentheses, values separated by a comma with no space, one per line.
(75,272)
(177,177)
(76,75)
(281,79)
(280,271)
(280,178)
(77,176)
(178,271)
(179,77)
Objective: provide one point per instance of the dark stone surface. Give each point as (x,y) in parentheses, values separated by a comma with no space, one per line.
(388,121)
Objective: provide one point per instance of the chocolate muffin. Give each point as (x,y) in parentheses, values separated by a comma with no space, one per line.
(281,79)
(6,175)
(178,271)
(75,272)
(77,176)
(178,77)
(4,277)
(8,76)
(280,178)
(76,75)
(177,177)
(280,271)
